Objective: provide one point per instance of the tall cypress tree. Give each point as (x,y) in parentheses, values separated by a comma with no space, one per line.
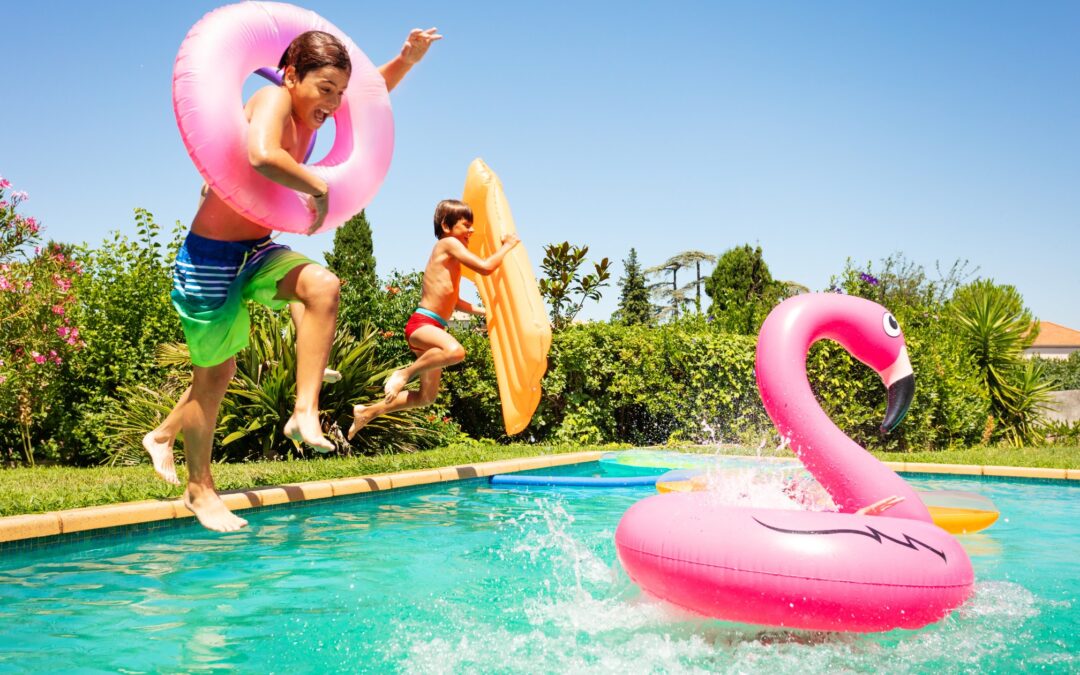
(353,257)
(634,304)
(353,261)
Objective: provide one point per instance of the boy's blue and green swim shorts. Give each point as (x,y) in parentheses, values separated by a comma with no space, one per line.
(213,281)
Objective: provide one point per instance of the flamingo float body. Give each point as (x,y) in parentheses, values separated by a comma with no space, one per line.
(800,569)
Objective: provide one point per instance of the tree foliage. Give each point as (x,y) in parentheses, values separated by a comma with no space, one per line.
(742,290)
(673,297)
(563,285)
(634,305)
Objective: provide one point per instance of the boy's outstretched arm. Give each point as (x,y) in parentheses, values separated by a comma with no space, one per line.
(416,45)
(483,266)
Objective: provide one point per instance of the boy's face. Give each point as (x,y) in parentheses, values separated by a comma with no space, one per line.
(462,231)
(316,97)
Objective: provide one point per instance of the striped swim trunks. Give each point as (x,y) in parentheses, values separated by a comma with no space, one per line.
(212,282)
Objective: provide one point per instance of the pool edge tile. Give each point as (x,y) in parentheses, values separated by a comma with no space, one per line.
(1025,472)
(360,484)
(115,515)
(418,477)
(955,469)
(29,526)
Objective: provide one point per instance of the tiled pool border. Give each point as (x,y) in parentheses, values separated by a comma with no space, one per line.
(44,529)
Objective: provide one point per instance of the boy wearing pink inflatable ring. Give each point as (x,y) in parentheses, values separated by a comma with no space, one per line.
(227,260)
(427,328)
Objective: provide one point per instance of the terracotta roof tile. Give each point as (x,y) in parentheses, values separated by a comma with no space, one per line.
(1056,335)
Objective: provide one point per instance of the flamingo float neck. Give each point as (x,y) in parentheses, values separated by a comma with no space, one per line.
(851,475)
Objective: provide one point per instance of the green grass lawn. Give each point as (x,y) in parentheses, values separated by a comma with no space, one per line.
(41,489)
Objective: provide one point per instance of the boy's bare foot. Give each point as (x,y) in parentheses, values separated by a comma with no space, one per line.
(161,454)
(394,384)
(330,376)
(212,512)
(361,416)
(305,429)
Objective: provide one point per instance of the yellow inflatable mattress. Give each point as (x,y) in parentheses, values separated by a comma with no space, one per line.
(517,320)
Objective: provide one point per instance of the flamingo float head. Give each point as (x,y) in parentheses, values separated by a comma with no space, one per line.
(868,331)
(871,334)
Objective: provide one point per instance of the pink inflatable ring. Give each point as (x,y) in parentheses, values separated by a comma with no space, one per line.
(217,56)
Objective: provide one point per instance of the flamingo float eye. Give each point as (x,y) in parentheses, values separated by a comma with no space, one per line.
(889,323)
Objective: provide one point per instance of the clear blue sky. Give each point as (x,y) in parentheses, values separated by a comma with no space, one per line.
(819,130)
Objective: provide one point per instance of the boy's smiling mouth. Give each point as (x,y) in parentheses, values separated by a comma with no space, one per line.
(321,114)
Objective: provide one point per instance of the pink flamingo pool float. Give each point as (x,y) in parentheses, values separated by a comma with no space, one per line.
(802,569)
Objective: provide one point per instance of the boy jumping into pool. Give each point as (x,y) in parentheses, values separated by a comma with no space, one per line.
(227,260)
(427,329)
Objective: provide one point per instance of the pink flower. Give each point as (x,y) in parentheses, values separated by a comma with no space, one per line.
(58,309)
(5,285)
(62,283)
(38,358)
(27,285)
(63,331)
(4,183)
(55,357)
(71,340)
(3,203)
(19,196)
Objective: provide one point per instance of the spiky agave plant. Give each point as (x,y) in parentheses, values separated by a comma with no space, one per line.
(261,396)
(995,328)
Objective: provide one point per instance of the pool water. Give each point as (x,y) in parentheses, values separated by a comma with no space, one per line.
(465,577)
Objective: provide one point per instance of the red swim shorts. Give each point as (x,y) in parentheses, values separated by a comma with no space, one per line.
(417,319)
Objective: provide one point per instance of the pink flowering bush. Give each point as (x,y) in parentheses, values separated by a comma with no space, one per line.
(38,333)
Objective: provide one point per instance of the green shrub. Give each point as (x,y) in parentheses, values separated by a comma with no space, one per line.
(1063,373)
(687,381)
(125,314)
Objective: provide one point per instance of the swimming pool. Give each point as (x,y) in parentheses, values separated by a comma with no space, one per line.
(466,577)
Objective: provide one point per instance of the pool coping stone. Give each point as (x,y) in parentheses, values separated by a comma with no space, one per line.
(70,521)
(54,523)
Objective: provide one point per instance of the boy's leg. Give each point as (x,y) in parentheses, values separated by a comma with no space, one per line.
(440,350)
(199,417)
(296,310)
(429,389)
(318,289)
(158,442)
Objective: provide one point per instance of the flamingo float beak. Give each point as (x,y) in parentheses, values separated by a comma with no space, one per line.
(899,379)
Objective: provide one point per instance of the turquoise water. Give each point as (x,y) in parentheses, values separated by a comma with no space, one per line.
(467,578)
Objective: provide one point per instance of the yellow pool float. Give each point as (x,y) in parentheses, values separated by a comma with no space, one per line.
(955,512)
(517,321)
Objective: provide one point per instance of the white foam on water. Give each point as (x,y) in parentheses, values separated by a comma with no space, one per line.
(590,618)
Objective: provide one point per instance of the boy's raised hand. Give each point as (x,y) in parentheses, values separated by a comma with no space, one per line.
(510,240)
(416,45)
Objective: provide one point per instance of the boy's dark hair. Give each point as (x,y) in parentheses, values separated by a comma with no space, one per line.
(449,212)
(313,50)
